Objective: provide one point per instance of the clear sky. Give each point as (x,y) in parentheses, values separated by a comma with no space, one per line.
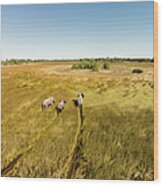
(77,30)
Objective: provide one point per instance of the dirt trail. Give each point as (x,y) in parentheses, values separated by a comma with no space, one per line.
(77,165)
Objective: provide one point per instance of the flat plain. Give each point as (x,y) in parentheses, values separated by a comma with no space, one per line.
(117,136)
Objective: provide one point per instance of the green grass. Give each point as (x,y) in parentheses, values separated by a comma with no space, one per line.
(116,140)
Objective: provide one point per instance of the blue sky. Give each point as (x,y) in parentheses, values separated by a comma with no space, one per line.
(77,30)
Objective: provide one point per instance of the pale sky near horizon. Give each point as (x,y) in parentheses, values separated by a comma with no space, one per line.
(77,30)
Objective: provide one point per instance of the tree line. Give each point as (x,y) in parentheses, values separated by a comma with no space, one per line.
(115,59)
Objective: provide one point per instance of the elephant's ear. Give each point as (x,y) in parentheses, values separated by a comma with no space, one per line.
(82,95)
(75,102)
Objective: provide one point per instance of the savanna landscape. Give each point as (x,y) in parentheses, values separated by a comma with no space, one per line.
(112,140)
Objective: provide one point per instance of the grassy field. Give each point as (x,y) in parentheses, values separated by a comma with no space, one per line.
(115,140)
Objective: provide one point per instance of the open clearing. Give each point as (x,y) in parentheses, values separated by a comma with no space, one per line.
(116,140)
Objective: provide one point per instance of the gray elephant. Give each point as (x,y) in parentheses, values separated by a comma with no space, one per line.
(60,106)
(48,102)
(80,99)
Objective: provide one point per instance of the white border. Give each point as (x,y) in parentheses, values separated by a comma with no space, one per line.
(53,182)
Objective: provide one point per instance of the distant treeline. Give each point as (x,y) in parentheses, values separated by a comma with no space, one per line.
(116,59)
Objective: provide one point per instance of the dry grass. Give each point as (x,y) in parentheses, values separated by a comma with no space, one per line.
(117,137)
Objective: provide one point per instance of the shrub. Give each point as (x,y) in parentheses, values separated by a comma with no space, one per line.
(106,65)
(75,66)
(138,71)
(94,66)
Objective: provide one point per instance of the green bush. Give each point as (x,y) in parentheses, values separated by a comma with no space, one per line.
(94,66)
(106,66)
(137,70)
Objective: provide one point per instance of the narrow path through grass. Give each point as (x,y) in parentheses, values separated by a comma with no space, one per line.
(77,159)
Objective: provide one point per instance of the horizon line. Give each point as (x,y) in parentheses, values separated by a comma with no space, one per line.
(7,59)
